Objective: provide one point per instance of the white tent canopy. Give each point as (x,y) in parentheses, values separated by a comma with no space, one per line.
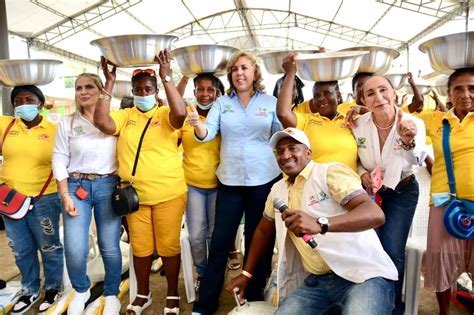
(66,27)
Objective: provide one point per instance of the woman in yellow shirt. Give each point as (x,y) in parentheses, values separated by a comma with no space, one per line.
(330,139)
(159,179)
(27,149)
(200,162)
(447,257)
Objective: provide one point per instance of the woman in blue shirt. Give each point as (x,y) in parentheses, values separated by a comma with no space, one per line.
(246,119)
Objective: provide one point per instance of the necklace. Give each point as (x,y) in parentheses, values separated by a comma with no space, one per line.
(383,128)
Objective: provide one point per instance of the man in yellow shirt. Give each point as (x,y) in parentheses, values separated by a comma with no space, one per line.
(345,264)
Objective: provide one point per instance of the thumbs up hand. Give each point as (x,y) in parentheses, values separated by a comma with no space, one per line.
(193,116)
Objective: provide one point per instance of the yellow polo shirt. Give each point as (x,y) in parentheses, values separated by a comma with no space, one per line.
(303,108)
(330,140)
(345,107)
(200,159)
(462,151)
(159,176)
(27,155)
(339,190)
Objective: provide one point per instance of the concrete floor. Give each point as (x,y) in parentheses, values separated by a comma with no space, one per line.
(8,271)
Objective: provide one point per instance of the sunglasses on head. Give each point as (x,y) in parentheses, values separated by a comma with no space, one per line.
(149,72)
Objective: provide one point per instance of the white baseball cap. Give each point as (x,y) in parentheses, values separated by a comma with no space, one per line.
(294,133)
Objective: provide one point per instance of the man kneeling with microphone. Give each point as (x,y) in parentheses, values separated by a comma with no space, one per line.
(329,253)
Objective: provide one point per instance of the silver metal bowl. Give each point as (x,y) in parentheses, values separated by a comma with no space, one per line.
(273,60)
(329,66)
(377,61)
(450,52)
(133,50)
(398,79)
(122,88)
(14,72)
(196,59)
(422,88)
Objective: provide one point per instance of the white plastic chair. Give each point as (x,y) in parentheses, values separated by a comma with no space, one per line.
(416,244)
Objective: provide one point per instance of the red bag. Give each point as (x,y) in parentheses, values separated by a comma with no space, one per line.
(13,204)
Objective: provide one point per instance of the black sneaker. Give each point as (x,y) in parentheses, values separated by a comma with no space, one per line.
(24,303)
(50,297)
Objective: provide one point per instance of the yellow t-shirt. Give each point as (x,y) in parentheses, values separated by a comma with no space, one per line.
(462,151)
(303,108)
(159,176)
(330,140)
(341,181)
(200,159)
(345,107)
(27,156)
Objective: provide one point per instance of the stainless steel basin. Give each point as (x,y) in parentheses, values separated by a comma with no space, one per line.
(378,60)
(398,79)
(196,59)
(133,50)
(450,52)
(274,60)
(422,88)
(122,88)
(329,66)
(15,72)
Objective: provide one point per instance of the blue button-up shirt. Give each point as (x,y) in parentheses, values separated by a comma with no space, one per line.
(246,156)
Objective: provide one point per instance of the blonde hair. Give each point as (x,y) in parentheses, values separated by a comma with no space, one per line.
(257,83)
(97,81)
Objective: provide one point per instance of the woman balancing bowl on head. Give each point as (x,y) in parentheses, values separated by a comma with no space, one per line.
(159,179)
(245,118)
(389,144)
(331,140)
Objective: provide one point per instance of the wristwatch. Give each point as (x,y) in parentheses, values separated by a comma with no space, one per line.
(167,78)
(324,222)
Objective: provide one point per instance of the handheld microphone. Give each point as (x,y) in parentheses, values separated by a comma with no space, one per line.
(279,204)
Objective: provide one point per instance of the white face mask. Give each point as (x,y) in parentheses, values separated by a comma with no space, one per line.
(27,112)
(144,103)
(204,107)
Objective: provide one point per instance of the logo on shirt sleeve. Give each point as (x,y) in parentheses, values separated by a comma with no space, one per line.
(361,143)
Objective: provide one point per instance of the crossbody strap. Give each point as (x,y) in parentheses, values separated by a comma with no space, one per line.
(448,158)
(138,150)
(7,130)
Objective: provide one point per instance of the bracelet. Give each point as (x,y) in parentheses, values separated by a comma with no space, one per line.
(247,274)
(63,194)
(105,97)
(409,146)
(106,93)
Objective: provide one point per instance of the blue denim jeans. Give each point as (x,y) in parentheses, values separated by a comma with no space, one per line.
(38,230)
(399,208)
(200,216)
(320,294)
(76,233)
(231,203)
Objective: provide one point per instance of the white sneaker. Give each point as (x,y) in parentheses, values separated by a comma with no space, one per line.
(78,303)
(112,305)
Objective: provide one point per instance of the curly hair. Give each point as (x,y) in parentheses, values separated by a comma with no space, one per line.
(257,83)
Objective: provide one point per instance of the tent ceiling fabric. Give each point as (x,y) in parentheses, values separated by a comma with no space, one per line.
(259,25)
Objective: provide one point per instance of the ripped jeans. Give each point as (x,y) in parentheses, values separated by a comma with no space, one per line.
(38,230)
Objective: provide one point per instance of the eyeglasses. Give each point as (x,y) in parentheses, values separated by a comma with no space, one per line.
(149,72)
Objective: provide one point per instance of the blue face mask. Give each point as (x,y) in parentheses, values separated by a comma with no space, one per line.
(27,112)
(144,103)
(204,107)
